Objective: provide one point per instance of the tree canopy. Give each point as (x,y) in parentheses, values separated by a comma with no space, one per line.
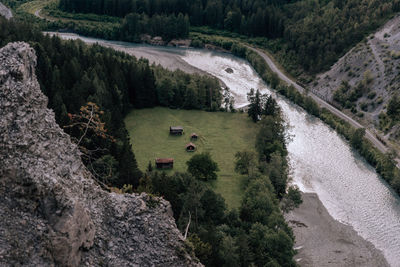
(203,167)
(314,34)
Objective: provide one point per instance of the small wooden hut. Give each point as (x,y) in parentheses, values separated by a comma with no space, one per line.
(176,130)
(164,163)
(190,147)
(194,136)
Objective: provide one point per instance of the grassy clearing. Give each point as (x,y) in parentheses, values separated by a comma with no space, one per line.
(48,9)
(221,134)
(33,6)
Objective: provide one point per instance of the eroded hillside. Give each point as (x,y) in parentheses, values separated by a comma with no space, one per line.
(365,80)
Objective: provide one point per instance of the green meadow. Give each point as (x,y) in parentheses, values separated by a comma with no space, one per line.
(221,134)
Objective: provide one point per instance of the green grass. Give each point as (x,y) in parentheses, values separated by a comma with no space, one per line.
(222,134)
(32,6)
(49,10)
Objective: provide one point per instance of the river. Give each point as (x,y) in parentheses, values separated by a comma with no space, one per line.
(321,161)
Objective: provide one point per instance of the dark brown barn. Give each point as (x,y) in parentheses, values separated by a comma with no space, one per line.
(190,147)
(176,130)
(166,163)
(194,136)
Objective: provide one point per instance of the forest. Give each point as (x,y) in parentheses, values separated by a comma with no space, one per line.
(167,26)
(309,34)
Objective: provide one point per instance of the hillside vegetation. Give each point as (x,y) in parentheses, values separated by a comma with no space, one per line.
(306,36)
(310,34)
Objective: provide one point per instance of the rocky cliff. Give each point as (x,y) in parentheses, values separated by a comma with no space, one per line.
(52,212)
(5,12)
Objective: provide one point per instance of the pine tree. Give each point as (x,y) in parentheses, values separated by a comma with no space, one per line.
(255,106)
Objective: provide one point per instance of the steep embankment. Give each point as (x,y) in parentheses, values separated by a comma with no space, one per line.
(52,212)
(372,72)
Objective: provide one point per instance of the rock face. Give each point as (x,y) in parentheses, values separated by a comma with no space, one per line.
(52,212)
(229,70)
(5,12)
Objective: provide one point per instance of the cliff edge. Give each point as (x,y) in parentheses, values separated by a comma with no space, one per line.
(52,212)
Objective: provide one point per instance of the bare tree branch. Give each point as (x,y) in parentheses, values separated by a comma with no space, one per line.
(187,226)
(87,126)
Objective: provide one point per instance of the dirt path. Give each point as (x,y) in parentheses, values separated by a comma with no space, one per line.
(48,18)
(35,8)
(322,103)
(37,14)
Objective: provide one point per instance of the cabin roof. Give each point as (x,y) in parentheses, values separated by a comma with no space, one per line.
(190,144)
(164,160)
(193,134)
(176,128)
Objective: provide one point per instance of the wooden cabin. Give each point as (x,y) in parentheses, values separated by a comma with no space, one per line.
(190,147)
(176,130)
(194,136)
(165,163)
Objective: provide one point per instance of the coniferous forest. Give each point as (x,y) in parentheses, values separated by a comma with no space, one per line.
(313,34)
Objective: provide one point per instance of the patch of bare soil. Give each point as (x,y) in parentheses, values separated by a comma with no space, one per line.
(323,241)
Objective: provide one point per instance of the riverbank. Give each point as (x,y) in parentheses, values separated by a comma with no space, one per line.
(324,241)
